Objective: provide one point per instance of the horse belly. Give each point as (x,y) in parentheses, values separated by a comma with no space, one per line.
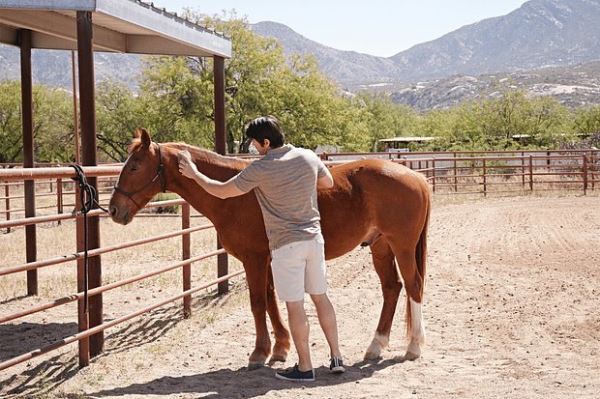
(343,235)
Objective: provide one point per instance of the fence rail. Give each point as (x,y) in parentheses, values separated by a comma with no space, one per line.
(19,175)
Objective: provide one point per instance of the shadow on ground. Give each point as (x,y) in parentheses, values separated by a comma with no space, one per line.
(241,383)
(43,378)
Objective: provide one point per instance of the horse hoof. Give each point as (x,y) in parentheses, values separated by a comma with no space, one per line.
(370,356)
(277,358)
(255,366)
(411,356)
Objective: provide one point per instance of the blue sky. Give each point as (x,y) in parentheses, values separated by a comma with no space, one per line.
(376,27)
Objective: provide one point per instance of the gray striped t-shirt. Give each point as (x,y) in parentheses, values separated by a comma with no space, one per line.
(285,183)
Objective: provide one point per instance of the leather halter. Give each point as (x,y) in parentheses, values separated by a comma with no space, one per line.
(159,174)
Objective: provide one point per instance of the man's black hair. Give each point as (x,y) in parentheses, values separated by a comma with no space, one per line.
(266,127)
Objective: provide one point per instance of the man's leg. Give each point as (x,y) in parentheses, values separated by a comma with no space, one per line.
(300,329)
(328,322)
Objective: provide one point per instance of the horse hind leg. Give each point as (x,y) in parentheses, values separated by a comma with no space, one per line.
(281,347)
(385,266)
(413,282)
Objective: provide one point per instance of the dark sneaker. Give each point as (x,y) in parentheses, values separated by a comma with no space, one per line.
(336,366)
(294,374)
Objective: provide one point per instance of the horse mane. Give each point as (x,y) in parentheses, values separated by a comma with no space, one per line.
(211,158)
(200,154)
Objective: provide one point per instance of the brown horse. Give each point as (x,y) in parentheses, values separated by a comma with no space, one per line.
(377,202)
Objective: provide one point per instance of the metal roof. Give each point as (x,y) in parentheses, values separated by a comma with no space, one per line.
(125,26)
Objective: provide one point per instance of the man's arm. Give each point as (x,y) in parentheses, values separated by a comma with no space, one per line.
(325,181)
(214,187)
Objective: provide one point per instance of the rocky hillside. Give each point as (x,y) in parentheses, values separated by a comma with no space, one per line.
(572,86)
(53,67)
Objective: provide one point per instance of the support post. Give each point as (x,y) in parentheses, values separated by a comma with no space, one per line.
(28,156)
(75,113)
(220,148)
(88,156)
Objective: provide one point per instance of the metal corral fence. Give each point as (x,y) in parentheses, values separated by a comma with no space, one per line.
(448,173)
(497,172)
(41,175)
(457,172)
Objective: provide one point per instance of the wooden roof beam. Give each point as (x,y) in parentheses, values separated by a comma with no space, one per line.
(62,29)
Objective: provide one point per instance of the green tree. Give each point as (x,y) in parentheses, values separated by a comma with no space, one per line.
(118,114)
(52,124)
(11,142)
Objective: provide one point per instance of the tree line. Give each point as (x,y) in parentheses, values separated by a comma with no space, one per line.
(175,102)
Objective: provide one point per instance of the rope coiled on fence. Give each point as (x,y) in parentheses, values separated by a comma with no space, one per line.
(88,197)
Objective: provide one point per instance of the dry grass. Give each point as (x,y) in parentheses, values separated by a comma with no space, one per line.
(60,280)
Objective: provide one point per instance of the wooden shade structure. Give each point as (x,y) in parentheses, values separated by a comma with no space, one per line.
(123,26)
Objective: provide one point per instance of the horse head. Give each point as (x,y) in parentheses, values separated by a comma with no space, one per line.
(142,177)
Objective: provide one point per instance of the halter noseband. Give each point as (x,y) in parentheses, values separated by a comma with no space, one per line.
(159,174)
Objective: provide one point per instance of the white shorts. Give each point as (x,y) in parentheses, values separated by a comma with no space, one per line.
(299,267)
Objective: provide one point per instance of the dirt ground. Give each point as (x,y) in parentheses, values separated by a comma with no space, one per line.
(511,311)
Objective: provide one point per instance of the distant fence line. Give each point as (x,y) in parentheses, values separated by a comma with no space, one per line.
(485,172)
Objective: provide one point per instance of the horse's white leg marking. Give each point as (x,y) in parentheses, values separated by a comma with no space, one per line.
(379,342)
(417,332)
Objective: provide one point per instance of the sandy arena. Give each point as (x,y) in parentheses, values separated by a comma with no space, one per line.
(511,311)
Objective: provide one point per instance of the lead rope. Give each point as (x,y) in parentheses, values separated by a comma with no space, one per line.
(88,196)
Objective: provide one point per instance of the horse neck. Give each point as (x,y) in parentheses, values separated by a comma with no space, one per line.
(209,164)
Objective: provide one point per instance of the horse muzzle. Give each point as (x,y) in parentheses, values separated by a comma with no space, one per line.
(119,215)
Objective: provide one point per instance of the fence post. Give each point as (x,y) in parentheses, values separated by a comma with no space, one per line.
(531,172)
(433,167)
(455,174)
(222,270)
(594,158)
(585,174)
(484,179)
(523,169)
(186,252)
(59,197)
(7,202)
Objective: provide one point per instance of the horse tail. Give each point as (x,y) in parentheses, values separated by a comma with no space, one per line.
(421,259)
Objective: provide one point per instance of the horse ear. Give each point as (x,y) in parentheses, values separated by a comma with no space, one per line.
(143,135)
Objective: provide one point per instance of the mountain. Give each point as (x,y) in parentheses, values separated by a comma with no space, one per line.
(346,67)
(531,48)
(539,33)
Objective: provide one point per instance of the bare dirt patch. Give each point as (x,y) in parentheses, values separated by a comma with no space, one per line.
(512,293)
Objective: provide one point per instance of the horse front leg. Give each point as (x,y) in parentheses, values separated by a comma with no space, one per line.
(257,277)
(282,335)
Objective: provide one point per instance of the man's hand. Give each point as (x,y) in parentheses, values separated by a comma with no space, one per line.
(187,167)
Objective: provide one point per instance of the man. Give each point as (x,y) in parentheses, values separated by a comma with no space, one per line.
(285,181)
